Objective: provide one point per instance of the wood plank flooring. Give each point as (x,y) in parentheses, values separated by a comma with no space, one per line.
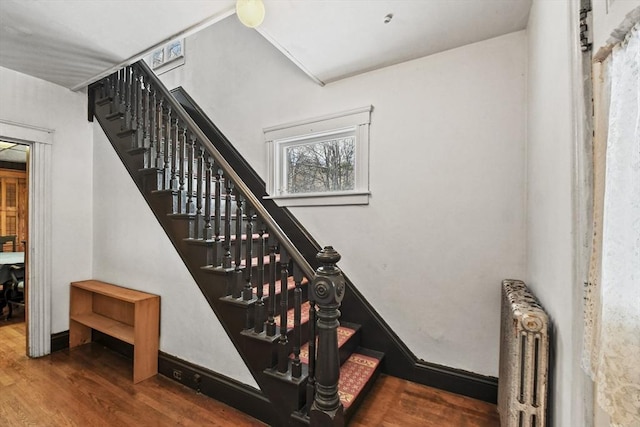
(393,402)
(91,386)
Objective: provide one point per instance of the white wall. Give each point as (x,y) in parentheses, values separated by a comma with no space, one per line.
(445,223)
(131,249)
(33,102)
(550,145)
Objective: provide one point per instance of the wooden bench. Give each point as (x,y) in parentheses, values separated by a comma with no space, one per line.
(126,314)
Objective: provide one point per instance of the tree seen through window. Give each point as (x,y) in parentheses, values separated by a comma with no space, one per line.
(321,166)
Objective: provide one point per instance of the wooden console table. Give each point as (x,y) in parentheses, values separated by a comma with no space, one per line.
(126,314)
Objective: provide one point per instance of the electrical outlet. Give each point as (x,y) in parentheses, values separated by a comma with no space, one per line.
(177,374)
(196,380)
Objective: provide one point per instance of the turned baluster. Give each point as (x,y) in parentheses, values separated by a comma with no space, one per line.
(123,89)
(128,90)
(111,89)
(199,190)
(283,342)
(135,105)
(166,168)
(207,231)
(311,381)
(115,81)
(175,152)
(114,90)
(145,110)
(226,261)
(328,288)
(191,208)
(117,99)
(142,125)
(217,219)
(271,307)
(296,366)
(247,292)
(259,316)
(159,132)
(237,290)
(153,128)
(181,172)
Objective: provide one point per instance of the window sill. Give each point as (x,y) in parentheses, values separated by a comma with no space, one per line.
(322,199)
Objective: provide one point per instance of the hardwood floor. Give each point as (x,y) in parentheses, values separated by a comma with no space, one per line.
(91,386)
(394,402)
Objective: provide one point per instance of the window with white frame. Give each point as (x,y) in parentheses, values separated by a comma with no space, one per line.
(321,161)
(168,57)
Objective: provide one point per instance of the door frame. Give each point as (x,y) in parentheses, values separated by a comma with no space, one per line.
(38,249)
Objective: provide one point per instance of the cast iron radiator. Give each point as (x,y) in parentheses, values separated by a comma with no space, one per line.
(524,358)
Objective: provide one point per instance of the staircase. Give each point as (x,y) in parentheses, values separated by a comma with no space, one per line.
(279,311)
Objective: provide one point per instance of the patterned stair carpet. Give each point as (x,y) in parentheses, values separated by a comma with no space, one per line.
(344,334)
(354,374)
(304,316)
(290,285)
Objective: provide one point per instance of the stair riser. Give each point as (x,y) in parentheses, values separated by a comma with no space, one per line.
(194,227)
(290,297)
(351,410)
(350,346)
(286,395)
(254,271)
(151,180)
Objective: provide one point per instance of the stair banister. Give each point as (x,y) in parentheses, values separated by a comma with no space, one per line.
(328,288)
(174,137)
(230,173)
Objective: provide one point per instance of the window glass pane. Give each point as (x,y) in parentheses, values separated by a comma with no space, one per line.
(11,195)
(174,49)
(320,166)
(158,58)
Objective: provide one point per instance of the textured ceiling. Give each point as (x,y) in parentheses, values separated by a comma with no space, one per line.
(72,42)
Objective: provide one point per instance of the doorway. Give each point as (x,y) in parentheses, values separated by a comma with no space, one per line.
(14,216)
(38,246)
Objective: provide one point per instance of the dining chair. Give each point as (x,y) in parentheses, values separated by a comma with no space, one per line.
(7,239)
(14,293)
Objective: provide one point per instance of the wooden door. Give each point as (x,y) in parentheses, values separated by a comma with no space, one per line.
(13,206)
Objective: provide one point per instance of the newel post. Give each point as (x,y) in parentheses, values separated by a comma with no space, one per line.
(328,290)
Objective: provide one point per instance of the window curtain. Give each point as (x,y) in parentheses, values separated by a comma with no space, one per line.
(612,298)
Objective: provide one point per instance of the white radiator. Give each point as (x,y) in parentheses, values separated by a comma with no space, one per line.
(524,358)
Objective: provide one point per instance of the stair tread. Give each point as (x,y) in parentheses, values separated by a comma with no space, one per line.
(254,263)
(355,373)
(304,316)
(233,238)
(291,284)
(344,333)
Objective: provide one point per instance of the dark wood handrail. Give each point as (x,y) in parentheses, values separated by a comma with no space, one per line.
(273,226)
